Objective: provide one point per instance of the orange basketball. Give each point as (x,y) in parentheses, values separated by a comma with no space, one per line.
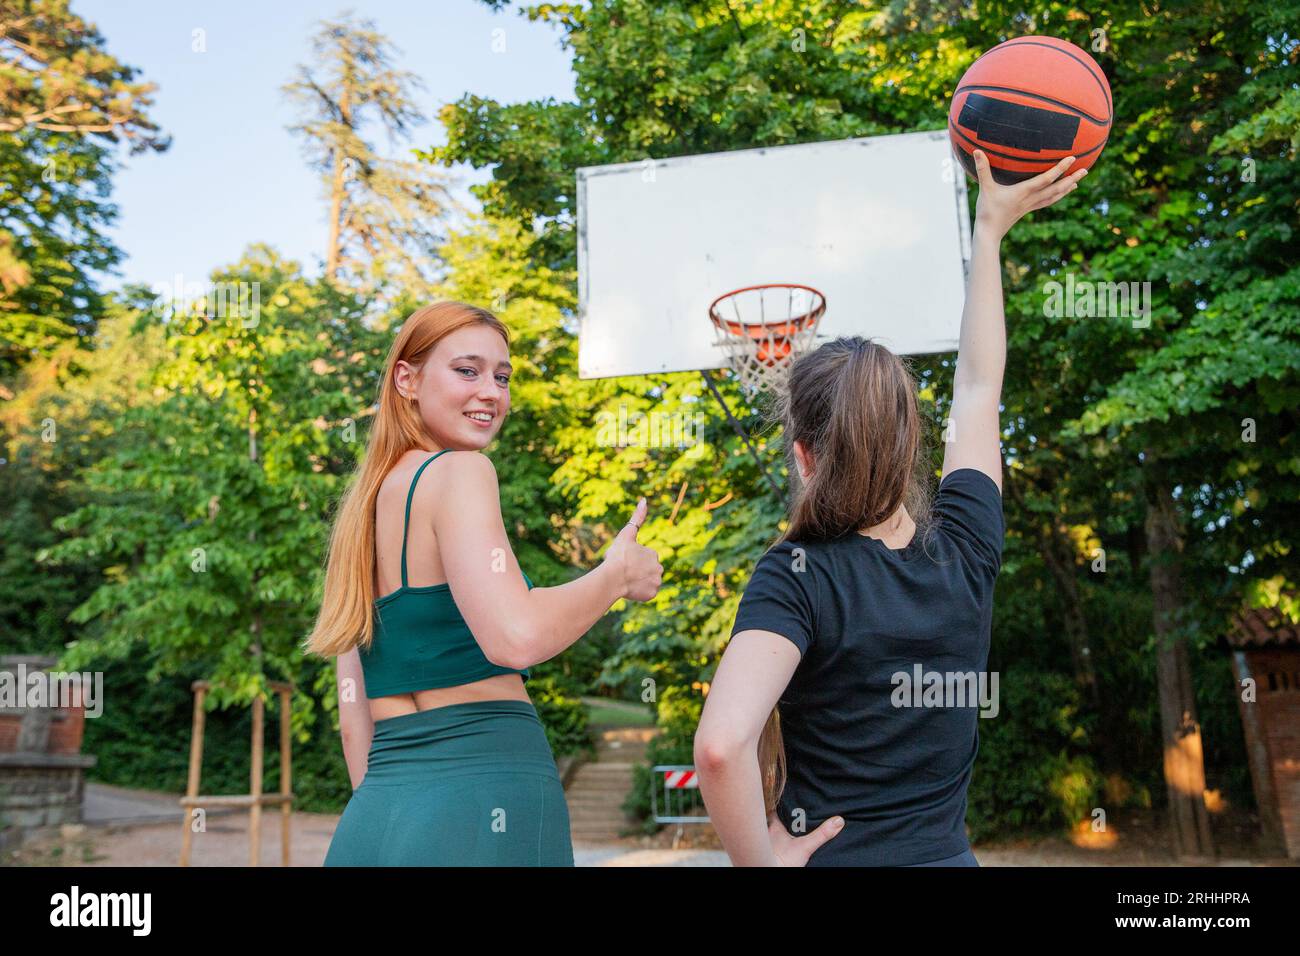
(1029,103)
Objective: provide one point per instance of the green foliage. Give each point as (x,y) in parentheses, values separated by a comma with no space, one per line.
(563,715)
(63,99)
(143,737)
(61,421)
(1033,771)
(53,219)
(209,515)
(677,716)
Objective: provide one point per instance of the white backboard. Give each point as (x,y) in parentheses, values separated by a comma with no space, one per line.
(879,225)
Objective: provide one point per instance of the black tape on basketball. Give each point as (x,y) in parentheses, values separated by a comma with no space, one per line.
(1028,128)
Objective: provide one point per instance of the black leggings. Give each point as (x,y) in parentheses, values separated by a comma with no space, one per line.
(965,858)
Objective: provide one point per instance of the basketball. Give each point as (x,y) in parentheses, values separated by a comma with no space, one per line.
(1029,103)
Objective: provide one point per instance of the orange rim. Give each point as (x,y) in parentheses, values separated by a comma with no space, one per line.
(777,329)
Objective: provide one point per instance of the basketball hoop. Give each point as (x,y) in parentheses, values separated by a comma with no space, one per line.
(763,328)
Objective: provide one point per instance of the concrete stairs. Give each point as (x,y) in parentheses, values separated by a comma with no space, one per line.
(597,789)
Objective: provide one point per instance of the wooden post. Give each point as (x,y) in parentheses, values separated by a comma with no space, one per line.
(256,798)
(286,772)
(255,786)
(196,762)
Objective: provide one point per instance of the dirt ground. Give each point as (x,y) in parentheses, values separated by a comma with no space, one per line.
(1134,840)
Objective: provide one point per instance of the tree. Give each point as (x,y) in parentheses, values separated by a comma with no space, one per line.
(60,422)
(383,213)
(64,102)
(209,516)
(58,78)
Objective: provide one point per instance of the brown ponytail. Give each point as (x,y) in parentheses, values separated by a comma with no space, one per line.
(853,405)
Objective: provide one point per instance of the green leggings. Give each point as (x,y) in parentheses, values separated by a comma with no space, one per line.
(470,784)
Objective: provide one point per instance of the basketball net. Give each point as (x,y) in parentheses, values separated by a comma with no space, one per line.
(763,328)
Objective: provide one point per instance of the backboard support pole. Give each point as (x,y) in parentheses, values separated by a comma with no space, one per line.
(740,433)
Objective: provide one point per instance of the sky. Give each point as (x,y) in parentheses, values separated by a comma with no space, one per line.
(234,174)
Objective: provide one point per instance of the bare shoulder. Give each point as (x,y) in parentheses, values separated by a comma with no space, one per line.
(398,480)
(464,477)
(454,465)
(466,468)
(451,462)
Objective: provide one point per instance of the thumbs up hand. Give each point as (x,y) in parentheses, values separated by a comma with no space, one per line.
(637,565)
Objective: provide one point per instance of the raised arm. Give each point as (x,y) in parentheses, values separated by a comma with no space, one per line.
(514,626)
(974,433)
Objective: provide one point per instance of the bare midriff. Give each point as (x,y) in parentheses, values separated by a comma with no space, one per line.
(496,687)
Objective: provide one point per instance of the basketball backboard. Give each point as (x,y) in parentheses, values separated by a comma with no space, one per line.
(879,225)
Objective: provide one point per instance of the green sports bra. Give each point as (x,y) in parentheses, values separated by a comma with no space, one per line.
(420,640)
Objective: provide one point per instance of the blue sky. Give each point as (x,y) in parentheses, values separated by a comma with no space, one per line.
(234,174)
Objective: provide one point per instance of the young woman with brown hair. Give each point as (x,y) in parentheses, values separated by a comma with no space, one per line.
(435,625)
(868,586)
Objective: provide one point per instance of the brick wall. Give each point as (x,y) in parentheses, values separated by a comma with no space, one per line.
(1277,673)
(67,726)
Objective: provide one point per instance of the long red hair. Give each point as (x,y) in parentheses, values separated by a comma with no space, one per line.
(346,616)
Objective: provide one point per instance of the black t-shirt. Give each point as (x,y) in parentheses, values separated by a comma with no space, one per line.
(880,718)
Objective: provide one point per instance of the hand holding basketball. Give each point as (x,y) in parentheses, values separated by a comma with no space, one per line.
(638,566)
(1001,207)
